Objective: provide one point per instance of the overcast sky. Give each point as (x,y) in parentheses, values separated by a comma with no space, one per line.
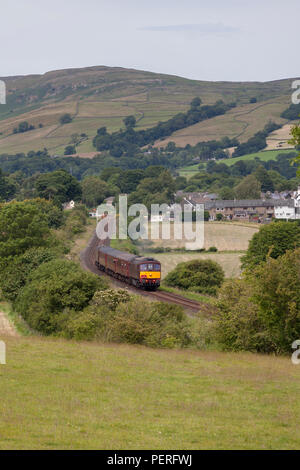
(200,39)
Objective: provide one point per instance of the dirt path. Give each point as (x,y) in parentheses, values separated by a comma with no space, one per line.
(6,328)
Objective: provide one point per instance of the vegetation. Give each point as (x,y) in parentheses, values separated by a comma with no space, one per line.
(203,276)
(91,395)
(248,188)
(272,240)
(23,127)
(7,188)
(102,96)
(65,119)
(257,142)
(261,312)
(292,112)
(55,291)
(58,186)
(128,141)
(296,141)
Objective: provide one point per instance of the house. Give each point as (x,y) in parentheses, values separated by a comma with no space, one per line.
(93,213)
(67,206)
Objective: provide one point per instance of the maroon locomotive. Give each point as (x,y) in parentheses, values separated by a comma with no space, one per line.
(136,270)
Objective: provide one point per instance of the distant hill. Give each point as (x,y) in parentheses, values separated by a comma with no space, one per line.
(103,96)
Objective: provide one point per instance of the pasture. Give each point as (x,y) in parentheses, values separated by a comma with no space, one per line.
(265,155)
(230,262)
(103,96)
(57,394)
(241,122)
(225,236)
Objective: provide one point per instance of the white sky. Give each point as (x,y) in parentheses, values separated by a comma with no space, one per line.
(200,39)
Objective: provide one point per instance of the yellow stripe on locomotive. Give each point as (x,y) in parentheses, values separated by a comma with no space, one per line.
(150,275)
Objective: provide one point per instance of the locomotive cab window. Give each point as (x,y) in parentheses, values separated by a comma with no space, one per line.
(150,267)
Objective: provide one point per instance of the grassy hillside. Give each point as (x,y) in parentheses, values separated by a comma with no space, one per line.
(58,394)
(189,171)
(103,96)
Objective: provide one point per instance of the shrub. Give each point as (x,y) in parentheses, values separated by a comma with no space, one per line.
(13,275)
(274,239)
(237,323)
(65,118)
(148,323)
(52,288)
(277,293)
(212,249)
(204,276)
(261,312)
(22,226)
(110,298)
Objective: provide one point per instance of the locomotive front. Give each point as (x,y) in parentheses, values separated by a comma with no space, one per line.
(150,273)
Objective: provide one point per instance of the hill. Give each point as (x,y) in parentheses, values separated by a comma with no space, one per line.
(265,155)
(69,395)
(103,96)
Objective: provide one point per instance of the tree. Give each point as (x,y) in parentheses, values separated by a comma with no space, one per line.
(70,150)
(65,118)
(130,122)
(58,186)
(273,240)
(264,178)
(277,293)
(196,103)
(54,287)
(128,180)
(248,188)
(296,141)
(14,274)
(22,226)
(261,311)
(94,191)
(227,193)
(292,112)
(7,188)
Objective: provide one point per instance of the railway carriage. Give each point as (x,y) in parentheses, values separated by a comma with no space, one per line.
(139,271)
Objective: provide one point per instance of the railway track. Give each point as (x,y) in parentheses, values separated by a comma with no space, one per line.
(88,258)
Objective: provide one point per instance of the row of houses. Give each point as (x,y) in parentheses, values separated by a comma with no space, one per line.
(256,210)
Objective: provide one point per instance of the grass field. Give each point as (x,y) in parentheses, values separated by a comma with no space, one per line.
(241,122)
(103,96)
(230,262)
(189,171)
(225,236)
(64,395)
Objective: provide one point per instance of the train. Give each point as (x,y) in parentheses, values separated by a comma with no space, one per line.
(139,271)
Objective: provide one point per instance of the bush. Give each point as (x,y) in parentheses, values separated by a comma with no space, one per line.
(261,312)
(22,226)
(135,322)
(65,118)
(277,293)
(13,275)
(237,324)
(274,239)
(110,298)
(204,276)
(52,288)
(212,249)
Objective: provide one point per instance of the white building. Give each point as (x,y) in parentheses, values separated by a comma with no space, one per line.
(289,208)
(297,204)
